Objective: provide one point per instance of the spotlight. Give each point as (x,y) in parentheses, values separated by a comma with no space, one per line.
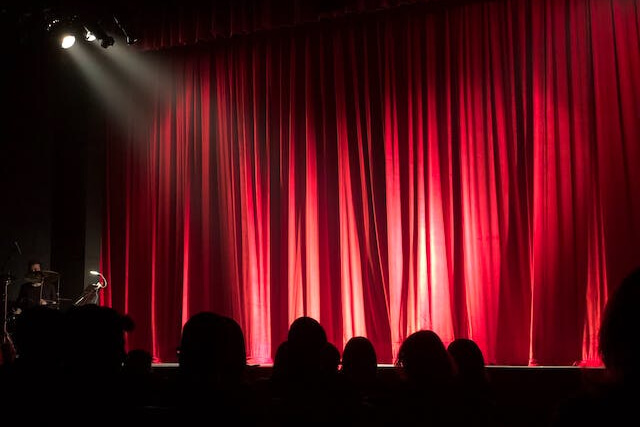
(89,36)
(99,33)
(88,28)
(68,41)
(63,30)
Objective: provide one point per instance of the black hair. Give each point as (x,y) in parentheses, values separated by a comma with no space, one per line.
(31,263)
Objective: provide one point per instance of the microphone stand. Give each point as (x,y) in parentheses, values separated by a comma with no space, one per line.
(5,299)
(92,292)
(58,293)
(89,293)
(5,296)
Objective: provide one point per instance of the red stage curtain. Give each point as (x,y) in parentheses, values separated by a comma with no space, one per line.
(472,170)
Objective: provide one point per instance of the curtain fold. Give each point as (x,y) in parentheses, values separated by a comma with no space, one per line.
(470,170)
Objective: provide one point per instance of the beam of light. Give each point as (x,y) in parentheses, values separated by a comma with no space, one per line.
(115,94)
(137,66)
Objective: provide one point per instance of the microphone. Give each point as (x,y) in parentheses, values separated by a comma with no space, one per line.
(97,273)
(15,243)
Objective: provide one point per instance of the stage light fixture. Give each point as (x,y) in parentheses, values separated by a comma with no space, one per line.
(53,24)
(107,41)
(67,28)
(126,31)
(104,279)
(89,36)
(63,30)
(67,41)
(99,33)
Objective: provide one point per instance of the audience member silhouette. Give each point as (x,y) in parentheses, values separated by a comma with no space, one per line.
(615,400)
(307,339)
(144,389)
(34,376)
(360,371)
(360,363)
(306,389)
(93,358)
(76,363)
(428,369)
(475,395)
(38,341)
(95,342)
(330,362)
(138,363)
(279,373)
(212,368)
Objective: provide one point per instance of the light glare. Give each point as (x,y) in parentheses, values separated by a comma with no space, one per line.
(68,41)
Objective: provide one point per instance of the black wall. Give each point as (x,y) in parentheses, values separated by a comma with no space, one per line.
(51,142)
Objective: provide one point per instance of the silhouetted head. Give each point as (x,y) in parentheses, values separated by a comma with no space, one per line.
(359,360)
(330,358)
(306,332)
(281,362)
(95,339)
(306,341)
(468,358)
(212,350)
(34,265)
(619,340)
(424,359)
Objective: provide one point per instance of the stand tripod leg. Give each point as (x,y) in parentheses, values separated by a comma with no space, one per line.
(5,331)
(8,351)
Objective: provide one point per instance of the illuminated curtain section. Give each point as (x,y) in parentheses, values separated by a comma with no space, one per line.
(470,170)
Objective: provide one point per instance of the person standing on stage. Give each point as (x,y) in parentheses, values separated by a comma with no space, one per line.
(37,290)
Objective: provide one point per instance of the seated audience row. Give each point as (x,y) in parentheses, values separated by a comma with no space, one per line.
(75,363)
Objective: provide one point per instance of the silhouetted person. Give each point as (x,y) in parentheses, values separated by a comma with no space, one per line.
(427,395)
(306,389)
(330,363)
(31,385)
(615,400)
(145,390)
(360,363)
(474,392)
(95,341)
(212,368)
(307,339)
(273,390)
(360,371)
(138,362)
(36,290)
(92,364)
(280,371)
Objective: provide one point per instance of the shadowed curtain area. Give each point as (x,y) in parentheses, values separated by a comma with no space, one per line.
(471,169)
